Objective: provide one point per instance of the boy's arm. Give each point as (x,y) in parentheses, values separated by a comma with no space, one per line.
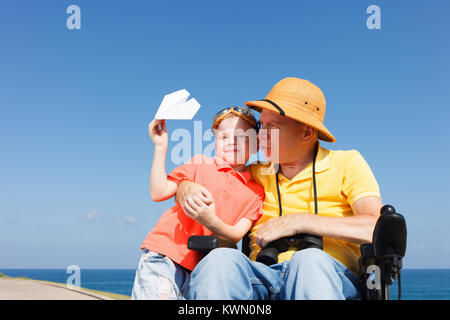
(205,215)
(161,188)
(234,233)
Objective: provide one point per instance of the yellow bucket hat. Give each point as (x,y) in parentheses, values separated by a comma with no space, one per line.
(297,99)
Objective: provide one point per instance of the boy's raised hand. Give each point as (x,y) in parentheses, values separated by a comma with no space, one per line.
(158,132)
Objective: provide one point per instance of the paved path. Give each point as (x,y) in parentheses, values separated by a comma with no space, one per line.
(21,289)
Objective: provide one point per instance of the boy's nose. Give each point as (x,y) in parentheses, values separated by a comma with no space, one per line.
(231,140)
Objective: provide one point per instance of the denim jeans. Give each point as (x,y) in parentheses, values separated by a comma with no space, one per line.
(227,274)
(159,278)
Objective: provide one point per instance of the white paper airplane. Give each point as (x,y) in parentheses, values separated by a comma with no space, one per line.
(174,106)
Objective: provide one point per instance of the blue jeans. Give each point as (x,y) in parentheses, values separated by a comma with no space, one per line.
(159,278)
(227,274)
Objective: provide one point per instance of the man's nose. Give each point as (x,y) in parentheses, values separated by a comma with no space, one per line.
(264,135)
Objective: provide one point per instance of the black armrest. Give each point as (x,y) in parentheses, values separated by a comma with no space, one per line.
(205,244)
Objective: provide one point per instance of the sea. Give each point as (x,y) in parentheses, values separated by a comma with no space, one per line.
(416,284)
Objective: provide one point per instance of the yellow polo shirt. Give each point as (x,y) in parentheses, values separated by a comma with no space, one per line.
(342,178)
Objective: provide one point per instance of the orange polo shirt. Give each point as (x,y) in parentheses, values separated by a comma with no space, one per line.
(235,197)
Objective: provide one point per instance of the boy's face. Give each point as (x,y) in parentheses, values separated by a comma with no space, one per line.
(236,140)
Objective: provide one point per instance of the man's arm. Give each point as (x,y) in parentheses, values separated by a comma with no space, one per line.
(357,229)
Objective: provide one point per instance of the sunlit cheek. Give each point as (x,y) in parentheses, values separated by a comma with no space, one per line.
(239,155)
(242,147)
(219,146)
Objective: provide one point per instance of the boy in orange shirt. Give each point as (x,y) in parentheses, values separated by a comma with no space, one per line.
(234,203)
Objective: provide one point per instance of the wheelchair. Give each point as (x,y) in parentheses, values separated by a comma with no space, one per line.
(380,262)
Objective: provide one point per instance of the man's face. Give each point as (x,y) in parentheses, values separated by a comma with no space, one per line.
(280,137)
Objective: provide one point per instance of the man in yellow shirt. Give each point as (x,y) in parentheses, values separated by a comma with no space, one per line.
(329,194)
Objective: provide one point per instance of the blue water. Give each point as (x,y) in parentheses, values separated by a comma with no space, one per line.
(417,284)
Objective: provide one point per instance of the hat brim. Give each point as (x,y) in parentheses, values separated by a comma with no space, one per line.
(296,114)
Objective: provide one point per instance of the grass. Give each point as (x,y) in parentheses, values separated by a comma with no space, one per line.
(115,296)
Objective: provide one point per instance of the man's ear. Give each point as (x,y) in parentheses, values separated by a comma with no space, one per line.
(310,133)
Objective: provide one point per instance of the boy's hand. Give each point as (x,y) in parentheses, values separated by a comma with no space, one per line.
(203,213)
(187,190)
(158,134)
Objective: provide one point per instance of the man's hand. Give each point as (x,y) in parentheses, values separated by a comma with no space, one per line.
(357,228)
(277,228)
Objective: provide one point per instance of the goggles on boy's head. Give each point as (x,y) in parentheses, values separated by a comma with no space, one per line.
(244,113)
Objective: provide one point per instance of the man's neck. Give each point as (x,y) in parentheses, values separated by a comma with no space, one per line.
(291,169)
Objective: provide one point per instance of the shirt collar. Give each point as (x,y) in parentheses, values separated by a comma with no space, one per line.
(221,165)
(322,160)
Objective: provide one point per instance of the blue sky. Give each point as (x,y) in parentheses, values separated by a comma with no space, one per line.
(75,105)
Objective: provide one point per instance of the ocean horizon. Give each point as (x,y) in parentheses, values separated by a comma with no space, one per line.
(417,284)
